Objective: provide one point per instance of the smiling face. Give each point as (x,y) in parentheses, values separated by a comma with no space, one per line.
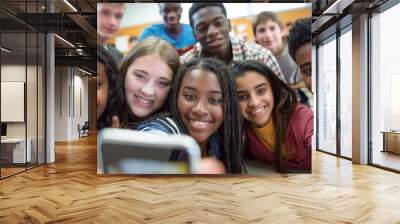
(147,84)
(109,18)
(211,28)
(269,34)
(171,14)
(102,89)
(255,98)
(200,104)
(303,60)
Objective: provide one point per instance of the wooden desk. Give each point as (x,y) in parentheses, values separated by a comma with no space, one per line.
(391,141)
(13,150)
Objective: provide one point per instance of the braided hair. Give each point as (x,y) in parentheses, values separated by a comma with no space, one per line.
(229,131)
(285,101)
(115,95)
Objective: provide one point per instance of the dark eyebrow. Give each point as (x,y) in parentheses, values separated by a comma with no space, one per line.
(219,17)
(165,79)
(189,88)
(308,64)
(200,24)
(139,70)
(215,19)
(256,87)
(215,92)
(194,89)
(260,85)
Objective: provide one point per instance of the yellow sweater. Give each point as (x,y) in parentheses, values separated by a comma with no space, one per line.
(267,136)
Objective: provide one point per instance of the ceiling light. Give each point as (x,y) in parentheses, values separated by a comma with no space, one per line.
(70,5)
(5,49)
(337,7)
(84,71)
(64,40)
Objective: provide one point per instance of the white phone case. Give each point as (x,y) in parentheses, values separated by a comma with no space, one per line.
(131,145)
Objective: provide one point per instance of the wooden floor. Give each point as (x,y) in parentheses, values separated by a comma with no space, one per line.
(10,171)
(69,191)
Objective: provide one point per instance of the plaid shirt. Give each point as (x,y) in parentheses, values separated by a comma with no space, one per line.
(241,51)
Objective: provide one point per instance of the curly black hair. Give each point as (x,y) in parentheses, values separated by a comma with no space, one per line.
(197,6)
(230,129)
(115,96)
(299,34)
(285,101)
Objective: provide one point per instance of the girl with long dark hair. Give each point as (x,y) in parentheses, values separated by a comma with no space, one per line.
(204,105)
(278,129)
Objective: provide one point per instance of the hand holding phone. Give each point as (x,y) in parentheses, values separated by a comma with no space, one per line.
(123,151)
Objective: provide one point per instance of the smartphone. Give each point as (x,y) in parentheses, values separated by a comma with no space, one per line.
(124,151)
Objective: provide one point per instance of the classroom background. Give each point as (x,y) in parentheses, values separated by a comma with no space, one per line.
(138,16)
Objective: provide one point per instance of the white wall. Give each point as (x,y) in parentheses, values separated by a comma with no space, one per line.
(81,82)
(33,126)
(13,73)
(61,103)
(16,73)
(80,109)
(70,84)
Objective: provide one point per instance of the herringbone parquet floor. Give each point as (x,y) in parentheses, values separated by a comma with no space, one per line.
(69,191)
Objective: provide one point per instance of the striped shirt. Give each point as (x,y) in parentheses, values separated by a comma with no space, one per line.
(162,125)
(167,126)
(241,51)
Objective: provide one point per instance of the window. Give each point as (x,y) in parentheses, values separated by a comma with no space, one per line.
(23,76)
(346,93)
(327,96)
(385,88)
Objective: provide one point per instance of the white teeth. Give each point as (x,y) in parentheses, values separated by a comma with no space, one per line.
(258,111)
(199,124)
(143,100)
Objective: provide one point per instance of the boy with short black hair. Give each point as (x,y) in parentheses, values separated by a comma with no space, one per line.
(300,48)
(211,28)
